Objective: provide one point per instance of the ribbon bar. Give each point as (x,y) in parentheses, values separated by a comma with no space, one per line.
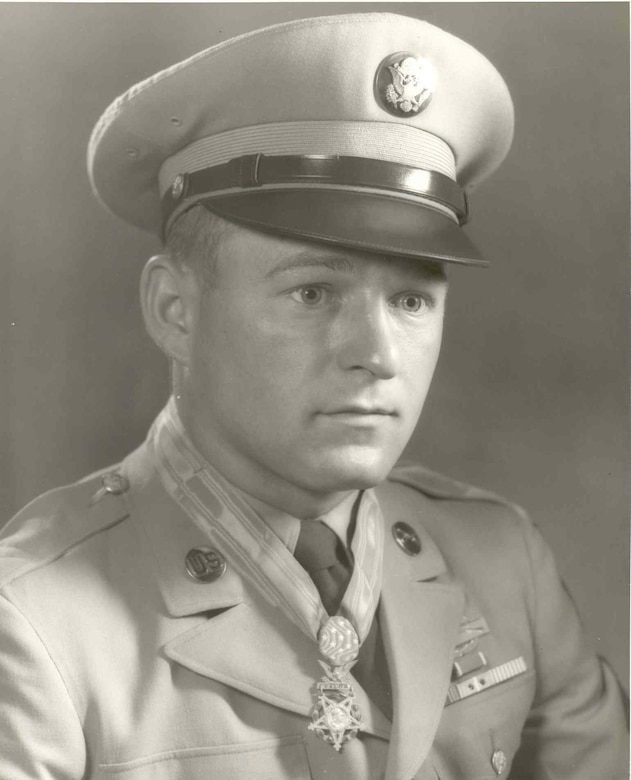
(488,679)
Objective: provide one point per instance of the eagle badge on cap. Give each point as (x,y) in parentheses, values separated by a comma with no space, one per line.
(405,84)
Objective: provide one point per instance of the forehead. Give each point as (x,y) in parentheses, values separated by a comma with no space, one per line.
(266,257)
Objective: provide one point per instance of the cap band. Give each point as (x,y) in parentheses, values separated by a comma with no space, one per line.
(397,143)
(256,170)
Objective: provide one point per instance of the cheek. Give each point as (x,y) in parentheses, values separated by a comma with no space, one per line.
(419,359)
(285,351)
(245,359)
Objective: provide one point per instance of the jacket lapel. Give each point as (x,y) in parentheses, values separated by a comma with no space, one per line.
(421,609)
(256,650)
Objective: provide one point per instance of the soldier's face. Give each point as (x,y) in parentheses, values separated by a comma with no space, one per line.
(310,364)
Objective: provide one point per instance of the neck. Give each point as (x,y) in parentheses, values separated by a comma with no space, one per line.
(257,481)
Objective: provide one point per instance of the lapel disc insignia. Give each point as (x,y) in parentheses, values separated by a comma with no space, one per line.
(404,84)
(407,538)
(205,564)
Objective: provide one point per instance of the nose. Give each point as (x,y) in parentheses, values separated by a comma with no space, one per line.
(368,341)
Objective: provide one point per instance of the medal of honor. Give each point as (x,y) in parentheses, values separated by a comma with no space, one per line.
(336,717)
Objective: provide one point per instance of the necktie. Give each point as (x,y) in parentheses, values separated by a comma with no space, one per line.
(323,556)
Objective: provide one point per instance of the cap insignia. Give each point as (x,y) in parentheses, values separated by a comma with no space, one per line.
(405,84)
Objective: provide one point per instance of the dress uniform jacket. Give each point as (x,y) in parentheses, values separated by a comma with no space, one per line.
(115,663)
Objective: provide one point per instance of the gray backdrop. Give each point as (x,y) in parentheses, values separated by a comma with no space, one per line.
(530,398)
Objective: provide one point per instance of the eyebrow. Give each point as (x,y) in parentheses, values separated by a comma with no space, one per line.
(307,259)
(424,268)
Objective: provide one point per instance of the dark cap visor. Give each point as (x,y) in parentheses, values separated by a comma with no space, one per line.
(355,219)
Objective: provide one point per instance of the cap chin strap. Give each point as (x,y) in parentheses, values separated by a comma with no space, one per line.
(257,170)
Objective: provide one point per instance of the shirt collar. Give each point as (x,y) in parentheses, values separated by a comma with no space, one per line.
(287,527)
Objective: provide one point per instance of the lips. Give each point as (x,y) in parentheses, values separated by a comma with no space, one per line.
(360,410)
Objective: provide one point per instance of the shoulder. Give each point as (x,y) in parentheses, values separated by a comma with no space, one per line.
(446,501)
(475,529)
(440,487)
(58,521)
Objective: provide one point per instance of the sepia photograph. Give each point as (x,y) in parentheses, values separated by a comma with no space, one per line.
(315,432)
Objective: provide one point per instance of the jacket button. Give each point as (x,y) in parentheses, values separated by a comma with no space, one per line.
(113,483)
(499,761)
(205,564)
(407,538)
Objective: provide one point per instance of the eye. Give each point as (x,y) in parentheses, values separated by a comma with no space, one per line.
(309,295)
(411,302)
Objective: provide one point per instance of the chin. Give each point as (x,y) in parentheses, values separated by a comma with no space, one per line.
(353,469)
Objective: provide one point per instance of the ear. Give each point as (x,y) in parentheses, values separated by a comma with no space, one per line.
(168,296)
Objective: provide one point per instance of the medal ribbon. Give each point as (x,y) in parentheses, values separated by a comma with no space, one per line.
(253,548)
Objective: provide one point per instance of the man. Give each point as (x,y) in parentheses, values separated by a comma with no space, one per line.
(258,591)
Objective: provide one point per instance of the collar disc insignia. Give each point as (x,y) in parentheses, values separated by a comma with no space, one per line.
(404,84)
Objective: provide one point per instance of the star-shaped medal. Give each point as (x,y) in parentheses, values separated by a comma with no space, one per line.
(335,718)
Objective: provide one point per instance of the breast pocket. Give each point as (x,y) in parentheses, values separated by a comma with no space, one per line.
(271,759)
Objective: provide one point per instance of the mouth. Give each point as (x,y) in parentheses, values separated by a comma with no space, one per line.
(365,410)
(359,412)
